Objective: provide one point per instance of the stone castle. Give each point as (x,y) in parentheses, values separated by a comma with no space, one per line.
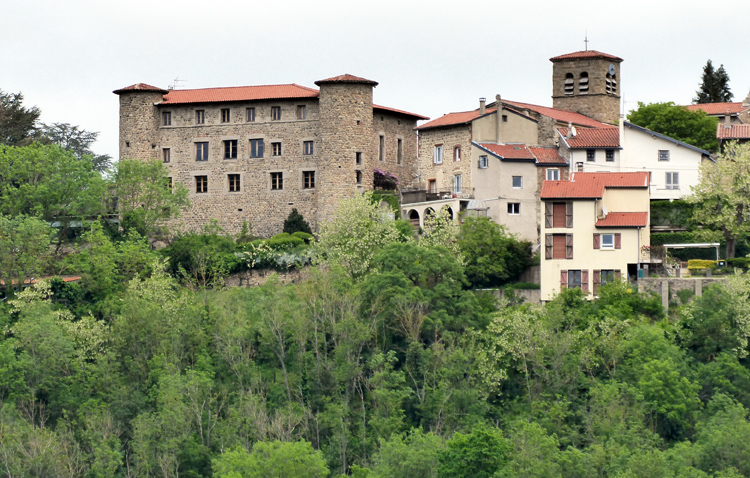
(252,154)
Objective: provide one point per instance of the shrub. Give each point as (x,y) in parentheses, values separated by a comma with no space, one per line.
(304,236)
(282,235)
(701,264)
(296,223)
(204,258)
(284,243)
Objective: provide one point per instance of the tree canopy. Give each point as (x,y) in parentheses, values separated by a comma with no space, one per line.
(714,86)
(692,127)
(17,122)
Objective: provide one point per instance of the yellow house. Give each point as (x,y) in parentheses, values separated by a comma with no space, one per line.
(594,227)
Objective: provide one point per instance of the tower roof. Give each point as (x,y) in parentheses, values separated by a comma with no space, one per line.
(347,78)
(140,87)
(585,55)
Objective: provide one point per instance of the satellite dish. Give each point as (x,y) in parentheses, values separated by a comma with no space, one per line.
(573,131)
(604,210)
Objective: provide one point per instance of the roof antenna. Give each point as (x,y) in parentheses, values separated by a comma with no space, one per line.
(174,85)
(586,40)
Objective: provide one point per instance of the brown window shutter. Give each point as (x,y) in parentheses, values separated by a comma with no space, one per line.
(617,274)
(618,241)
(548,246)
(568,246)
(585,280)
(563,279)
(596,241)
(597,280)
(547,214)
(569,214)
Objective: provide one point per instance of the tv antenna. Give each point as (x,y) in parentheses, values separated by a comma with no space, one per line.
(175,84)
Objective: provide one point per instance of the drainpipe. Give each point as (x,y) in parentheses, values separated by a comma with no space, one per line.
(499,116)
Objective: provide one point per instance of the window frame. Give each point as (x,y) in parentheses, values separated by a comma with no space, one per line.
(201,151)
(457,154)
(672,180)
(381,148)
(230,148)
(552,170)
(234,182)
(514,208)
(575,284)
(610,155)
(308,179)
(399,151)
(358,176)
(276,148)
(591,155)
(607,246)
(200,116)
(437,154)
(277,181)
(250,114)
(458,183)
(226,115)
(484,161)
(166,118)
(275,113)
(201,184)
(166,155)
(663,155)
(358,158)
(308,148)
(301,112)
(513,182)
(257,147)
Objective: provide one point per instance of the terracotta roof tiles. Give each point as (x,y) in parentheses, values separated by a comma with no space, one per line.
(717,108)
(347,78)
(624,219)
(138,87)
(402,112)
(451,119)
(508,151)
(239,93)
(735,131)
(592,185)
(547,156)
(561,116)
(585,55)
(592,138)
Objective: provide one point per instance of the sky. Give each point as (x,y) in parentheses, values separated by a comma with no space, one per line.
(429,57)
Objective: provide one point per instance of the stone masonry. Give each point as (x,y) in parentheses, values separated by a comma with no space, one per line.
(450,138)
(314,154)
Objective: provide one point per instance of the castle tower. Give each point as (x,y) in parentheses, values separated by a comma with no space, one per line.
(346,137)
(139,120)
(587,82)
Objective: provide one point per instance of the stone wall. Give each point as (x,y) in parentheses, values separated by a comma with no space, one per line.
(450,137)
(596,104)
(255,278)
(667,287)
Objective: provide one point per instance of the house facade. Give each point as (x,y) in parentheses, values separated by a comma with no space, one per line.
(252,154)
(594,227)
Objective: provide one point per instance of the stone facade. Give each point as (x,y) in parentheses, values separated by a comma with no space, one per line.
(452,137)
(582,83)
(309,161)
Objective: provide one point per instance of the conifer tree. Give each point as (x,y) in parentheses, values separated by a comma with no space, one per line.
(714,87)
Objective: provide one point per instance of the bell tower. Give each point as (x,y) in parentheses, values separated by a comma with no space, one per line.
(587,82)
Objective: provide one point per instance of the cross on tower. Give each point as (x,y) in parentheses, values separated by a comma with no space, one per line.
(586,41)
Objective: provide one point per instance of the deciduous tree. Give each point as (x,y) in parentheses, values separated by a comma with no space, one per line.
(692,127)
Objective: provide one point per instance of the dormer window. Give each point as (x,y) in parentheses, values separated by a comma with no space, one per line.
(569,84)
(583,84)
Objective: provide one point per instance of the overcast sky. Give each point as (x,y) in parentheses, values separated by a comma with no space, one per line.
(430,57)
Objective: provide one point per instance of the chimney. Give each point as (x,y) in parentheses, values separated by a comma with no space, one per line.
(727,120)
(498,117)
(482,105)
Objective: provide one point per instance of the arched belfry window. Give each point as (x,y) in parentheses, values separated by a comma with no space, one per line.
(583,83)
(611,84)
(569,84)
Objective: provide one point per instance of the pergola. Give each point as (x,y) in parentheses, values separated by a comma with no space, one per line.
(699,245)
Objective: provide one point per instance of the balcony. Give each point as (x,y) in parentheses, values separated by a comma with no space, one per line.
(412,196)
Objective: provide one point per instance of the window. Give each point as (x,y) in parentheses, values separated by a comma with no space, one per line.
(569,84)
(611,84)
(457,153)
(604,277)
(225,117)
(277,181)
(301,112)
(673,180)
(483,162)
(590,154)
(276,149)
(610,155)
(275,113)
(558,246)
(200,116)
(357,158)
(574,279)
(307,147)
(359,177)
(201,184)
(663,155)
(230,149)
(167,118)
(553,174)
(608,241)
(517,182)
(437,155)
(169,183)
(381,148)
(256,148)
(166,155)
(250,115)
(505,118)
(583,84)
(514,208)
(201,151)
(400,151)
(558,214)
(308,179)
(234,183)
(457,184)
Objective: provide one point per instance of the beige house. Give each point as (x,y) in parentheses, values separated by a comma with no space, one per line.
(594,227)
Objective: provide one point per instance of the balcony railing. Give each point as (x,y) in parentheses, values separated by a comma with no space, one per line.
(422,195)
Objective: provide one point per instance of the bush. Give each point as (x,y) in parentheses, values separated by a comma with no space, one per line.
(284,243)
(701,264)
(296,223)
(304,236)
(204,258)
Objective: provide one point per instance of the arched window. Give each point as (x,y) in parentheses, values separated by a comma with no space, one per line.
(583,84)
(449,211)
(414,218)
(611,84)
(569,84)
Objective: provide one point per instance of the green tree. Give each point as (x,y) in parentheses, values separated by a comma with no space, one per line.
(722,197)
(76,140)
(295,222)
(491,256)
(272,460)
(692,127)
(714,86)
(479,454)
(144,198)
(409,455)
(17,123)
(24,248)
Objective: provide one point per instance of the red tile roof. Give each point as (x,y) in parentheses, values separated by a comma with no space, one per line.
(347,78)
(138,87)
(561,116)
(735,131)
(593,138)
(717,108)
(451,119)
(584,55)
(547,156)
(624,219)
(508,151)
(592,185)
(238,93)
(402,112)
